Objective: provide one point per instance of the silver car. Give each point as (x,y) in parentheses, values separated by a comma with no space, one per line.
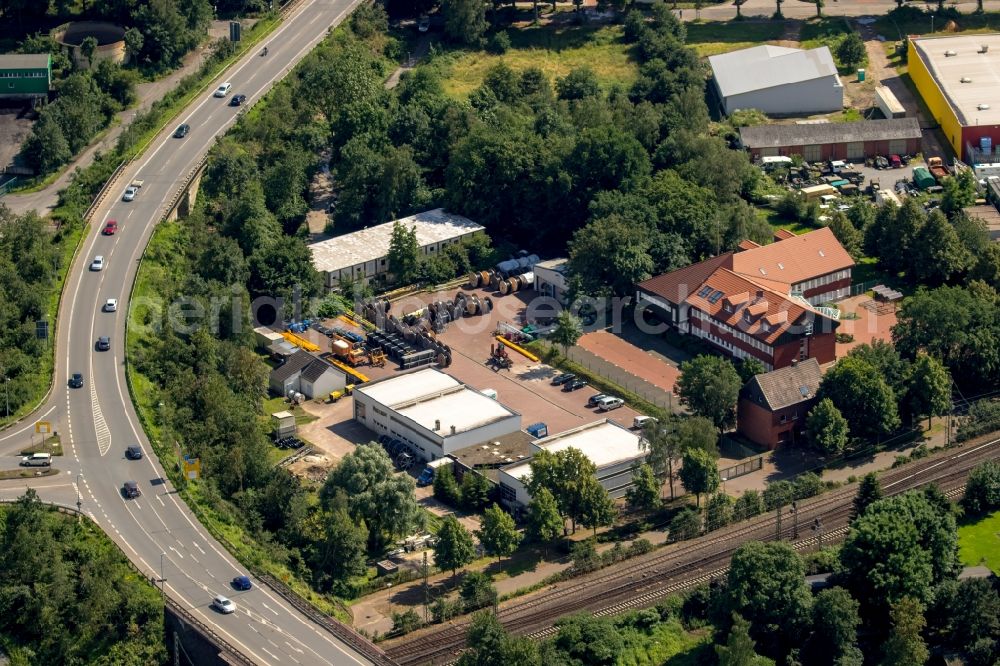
(130,193)
(98,263)
(223,605)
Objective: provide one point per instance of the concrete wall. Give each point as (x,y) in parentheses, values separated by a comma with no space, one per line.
(815,96)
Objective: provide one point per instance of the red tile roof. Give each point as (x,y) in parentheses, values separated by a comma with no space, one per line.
(794,259)
(675,286)
(782,234)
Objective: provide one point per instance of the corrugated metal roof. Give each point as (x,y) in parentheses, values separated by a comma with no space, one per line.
(24,60)
(776,136)
(767,66)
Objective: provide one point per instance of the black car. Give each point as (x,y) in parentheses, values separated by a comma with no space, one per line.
(103,343)
(133,452)
(596,398)
(76,380)
(559,380)
(130,489)
(237,100)
(182,131)
(574,385)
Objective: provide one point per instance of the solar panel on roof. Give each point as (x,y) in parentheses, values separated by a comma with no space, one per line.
(715,297)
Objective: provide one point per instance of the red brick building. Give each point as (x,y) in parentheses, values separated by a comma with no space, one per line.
(772,407)
(759,301)
(833,141)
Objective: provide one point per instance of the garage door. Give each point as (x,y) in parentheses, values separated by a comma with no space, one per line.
(897,146)
(811,153)
(768,152)
(856,150)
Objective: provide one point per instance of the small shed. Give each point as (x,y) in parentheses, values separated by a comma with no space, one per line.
(923,178)
(319,379)
(385,567)
(284,424)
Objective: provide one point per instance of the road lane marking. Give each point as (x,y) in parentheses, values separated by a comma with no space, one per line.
(176,552)
(271,654)
(268,608)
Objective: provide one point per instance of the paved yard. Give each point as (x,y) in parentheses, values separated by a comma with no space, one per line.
(867,328)
(647,365)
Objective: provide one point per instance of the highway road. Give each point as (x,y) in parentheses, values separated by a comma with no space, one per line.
(97,422)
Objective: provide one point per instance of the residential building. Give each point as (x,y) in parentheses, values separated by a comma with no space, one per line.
(816,142)
(778,80)
(25,75)
(762,301)
(772,406)
(364,255)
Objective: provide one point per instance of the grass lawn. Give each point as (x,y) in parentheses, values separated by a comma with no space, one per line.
(979,542)
(776,220)
(827,32)
(894,29)
(555,50)
(26,473)
(714,37)
(52,445)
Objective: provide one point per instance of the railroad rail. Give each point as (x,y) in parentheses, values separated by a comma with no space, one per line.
(643,581)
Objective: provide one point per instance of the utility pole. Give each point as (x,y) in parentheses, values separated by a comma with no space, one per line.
(818,529)
(79,502)
(163,580)
(425,587)
(795,521)
(777,525)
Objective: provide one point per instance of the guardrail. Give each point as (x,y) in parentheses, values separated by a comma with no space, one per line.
(353,639)
(103,194)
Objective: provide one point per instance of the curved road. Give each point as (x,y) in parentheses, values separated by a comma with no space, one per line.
(98,421)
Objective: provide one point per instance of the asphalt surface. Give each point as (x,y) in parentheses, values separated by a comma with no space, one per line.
(97,422)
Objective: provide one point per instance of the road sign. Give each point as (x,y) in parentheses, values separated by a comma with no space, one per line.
(234,31)
(43,427)
(42,329)
(192,467)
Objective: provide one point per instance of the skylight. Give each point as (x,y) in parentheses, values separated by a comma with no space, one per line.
(704,291)
(715,297)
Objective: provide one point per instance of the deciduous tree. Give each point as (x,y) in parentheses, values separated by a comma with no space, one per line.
(567,331)
(906,646)
(404,253)
(859,391)
(739,649)
(699,473)
(544,522)
(597,509)
(454,548)
(869,492)
(834,637)
(929,388)
(826,428)
(851,51)
(718,511)
(464,20)
(644,493)
(710,385)
(982,489)
(498,534)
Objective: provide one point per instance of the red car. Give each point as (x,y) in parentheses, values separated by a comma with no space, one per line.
(110,228)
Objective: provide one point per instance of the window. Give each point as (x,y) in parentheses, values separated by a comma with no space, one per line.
(704,291)
(714,298)
(811,153)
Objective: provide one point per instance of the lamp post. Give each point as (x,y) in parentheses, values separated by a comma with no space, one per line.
(932,24)
(79,501)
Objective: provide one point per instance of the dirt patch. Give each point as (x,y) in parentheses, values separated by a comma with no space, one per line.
(313,466)
(15,126)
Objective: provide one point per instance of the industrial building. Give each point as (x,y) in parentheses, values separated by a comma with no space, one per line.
(762,301)
(364,255)
(25,75)
(816,142)
(550,279)
(778,80)
(304,373)
(432,412)
(612,448)
(956,75)
(773,405)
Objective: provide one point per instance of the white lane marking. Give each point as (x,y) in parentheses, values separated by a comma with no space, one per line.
(199,548)
(100,425)
(271,654)
(176,552)
(268,608)
(31,425)
(299,650)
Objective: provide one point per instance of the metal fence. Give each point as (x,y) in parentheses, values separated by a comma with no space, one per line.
(612,373)
(862,287)
(746,467)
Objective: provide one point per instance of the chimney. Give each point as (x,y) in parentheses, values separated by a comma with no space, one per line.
(760,294)
(437,424)
(453,430)
(795,362)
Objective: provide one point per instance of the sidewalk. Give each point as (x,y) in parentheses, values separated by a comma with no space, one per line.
(148,94)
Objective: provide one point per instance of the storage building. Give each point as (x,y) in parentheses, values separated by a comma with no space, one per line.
(432,412)
(778,80)
(306,374)
(25,75)
(550,279)
(816,142)
(364,255)
(611,447)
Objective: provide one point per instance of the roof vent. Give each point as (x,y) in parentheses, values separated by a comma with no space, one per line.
(822,253)
(949,53)
(965,79)
(781,266)
(762,271)
(984,48)
(983,107)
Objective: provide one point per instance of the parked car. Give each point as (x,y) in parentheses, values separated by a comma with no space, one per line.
(110,228)
(133,452)
(37,460)
(596,398)
(103,343)
(242,583)
(640,422)
(98,263)
(111,305)
(223,605)
(574,385)
(130,489)
(237,100)
(423,24)
(609,403)
(559,380)
(76,380)
(182,131)
(223,89)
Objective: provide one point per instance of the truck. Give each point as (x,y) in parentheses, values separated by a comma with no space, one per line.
(922,178)
(888,104)
(426,477)
(937,168)
(347,351)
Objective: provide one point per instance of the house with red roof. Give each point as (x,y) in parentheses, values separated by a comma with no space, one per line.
(761,301)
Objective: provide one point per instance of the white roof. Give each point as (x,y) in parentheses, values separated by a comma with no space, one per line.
(604,442)
(407,387)
(762,67)
(432,226)
(983,70)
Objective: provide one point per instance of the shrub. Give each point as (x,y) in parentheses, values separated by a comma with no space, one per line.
(499,43)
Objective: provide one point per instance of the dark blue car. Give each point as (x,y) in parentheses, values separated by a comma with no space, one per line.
(242,583)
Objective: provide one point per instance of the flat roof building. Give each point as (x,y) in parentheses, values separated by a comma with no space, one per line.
(778,80)
(816,142)
(957,75)
(363,255)
(434,413)
(611,447)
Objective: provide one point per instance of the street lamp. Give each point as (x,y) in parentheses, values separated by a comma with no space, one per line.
(79,503)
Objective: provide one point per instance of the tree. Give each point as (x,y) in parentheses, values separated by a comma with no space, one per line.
(699,473)
(464,20)
(405,621)
(959,192)
(718,511)
(826,428)
(851,51)
(498,534)
(46,148)
(567,331)
(88,47)
(748,505)
(845,231)
(336,548)
(834,637)
(766,585)
(477,591)
(589,640)
(686,524)
(475,491)
(929,388)
(404,253)
(565,474)
(665,450)
(938,254)
(609,256)
(596,506)
(739,647)
(858,390)
(644,493)
(446,487)
(375,493)
(869,492)
(133,43)
(982,489)
(906,646)
(454,548)
(491,645)
(710,386)
(580,83)
(749,367)
(543,522)
(819,8)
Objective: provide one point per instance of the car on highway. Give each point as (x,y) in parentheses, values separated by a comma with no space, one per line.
(130,193)
(574,385)
(559,380)
(111,228)
(223,605)
(98,263)
(76,380)
(223,89)
(111,305)
(241,583)
(237,100)
(37,460)
(130,490)
(103,343)
(182,131)
(596,398)
(133,452)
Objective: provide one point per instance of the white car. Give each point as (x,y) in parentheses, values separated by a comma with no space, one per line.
(111,305)
(223,605)
(223,90)
(98,263)
(130,193)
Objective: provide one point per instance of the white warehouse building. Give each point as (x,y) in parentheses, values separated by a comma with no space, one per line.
(778,80)
(433,412)
(364,254)
(611,447)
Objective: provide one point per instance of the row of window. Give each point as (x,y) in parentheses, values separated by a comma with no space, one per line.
(820,281)
(24,75)
(739,335)
(730,347)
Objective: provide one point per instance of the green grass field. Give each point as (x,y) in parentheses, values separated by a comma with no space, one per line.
(894,29)
(979,542)
(555,51)
(714,37)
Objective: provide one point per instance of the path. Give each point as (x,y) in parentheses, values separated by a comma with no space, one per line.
(419,51)
(147,94)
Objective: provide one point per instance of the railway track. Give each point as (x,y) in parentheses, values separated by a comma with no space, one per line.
(643,581)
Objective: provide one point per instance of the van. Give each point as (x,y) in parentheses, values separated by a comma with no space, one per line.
(640,422)
(609,403)
(37,460)
(426,477)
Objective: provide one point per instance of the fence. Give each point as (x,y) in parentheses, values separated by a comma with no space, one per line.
(612,373)
(8,186)
(746,467)
(862,287)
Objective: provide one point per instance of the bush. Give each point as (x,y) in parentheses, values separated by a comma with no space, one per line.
(585,557)
(499,43)
(443,610)
(405,622)
(982,490)
(807,485)
(477,591)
